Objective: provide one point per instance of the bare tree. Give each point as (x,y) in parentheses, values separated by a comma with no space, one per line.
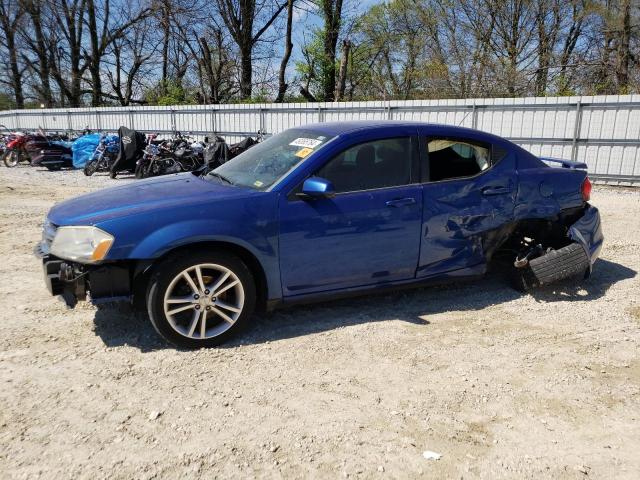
(67,62)
(40,44)
(129,59)
(11,15)
(103,31)
(240,17)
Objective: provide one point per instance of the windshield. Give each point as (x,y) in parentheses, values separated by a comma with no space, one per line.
(264,164)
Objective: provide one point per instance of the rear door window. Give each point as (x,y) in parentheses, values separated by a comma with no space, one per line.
(449,158)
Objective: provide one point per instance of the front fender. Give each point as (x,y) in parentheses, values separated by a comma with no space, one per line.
(169,237)
(180,234)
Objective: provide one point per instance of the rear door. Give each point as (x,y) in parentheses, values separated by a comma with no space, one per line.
(469,193)
(368,233)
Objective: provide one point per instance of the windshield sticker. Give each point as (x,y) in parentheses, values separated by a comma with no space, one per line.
(258,183)
(303,152)
(306,142)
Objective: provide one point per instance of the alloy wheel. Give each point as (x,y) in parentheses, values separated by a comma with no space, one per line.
(203,301)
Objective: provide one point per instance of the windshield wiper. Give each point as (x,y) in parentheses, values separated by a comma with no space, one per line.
(221,177)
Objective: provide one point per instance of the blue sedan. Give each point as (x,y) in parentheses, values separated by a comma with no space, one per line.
(321,211)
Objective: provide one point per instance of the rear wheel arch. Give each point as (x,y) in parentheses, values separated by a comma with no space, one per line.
(145,269)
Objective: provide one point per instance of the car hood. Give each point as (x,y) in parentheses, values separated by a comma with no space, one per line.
(142,196)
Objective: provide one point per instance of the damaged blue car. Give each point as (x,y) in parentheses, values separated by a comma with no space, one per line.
(318,212)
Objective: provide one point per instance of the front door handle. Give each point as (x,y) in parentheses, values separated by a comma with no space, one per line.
(496,190)
(401,202)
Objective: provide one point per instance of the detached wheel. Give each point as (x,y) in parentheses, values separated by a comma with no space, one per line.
(566,262)
(201,299)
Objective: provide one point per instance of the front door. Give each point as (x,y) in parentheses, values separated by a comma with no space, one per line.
(369,233)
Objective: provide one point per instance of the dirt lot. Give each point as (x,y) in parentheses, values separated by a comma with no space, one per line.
(500,384)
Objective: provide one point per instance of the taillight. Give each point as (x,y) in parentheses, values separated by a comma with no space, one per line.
(586,189)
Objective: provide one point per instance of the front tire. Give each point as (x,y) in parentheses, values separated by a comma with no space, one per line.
(90,167)
(201,299)
(11,158)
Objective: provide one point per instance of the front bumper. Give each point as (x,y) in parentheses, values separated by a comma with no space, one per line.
(72,281)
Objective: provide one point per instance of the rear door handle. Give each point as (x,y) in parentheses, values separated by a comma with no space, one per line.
(496,190)
(400,202)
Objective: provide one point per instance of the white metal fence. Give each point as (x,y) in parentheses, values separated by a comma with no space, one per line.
(603,131)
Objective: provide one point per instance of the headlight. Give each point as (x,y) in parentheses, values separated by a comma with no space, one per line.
(81,244)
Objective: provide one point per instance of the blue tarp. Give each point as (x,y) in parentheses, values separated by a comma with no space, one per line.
(84,148)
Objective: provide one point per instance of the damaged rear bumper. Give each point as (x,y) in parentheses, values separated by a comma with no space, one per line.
(544,265)
(587,231)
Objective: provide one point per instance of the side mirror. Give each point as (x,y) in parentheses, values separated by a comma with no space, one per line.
(316,187)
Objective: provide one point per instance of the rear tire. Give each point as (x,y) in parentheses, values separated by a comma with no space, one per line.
(140,171)
(208,310)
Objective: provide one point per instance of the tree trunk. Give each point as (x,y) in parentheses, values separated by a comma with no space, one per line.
(41,49)
(342,73)
(9,28)
(332,20)
(307,95)
(542,74)
(288,47)
(166,36)
(94,67)
(623,53)
(246,71)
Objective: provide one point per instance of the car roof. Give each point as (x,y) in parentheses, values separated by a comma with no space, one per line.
(340,128)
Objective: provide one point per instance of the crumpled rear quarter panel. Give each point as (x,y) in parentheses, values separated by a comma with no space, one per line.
(545,192)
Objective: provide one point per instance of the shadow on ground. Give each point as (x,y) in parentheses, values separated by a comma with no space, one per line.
(119,325)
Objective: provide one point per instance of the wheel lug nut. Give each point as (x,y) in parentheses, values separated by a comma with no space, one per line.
(196,296)
(208,308)
(206,292)
(213,299)
(197,307)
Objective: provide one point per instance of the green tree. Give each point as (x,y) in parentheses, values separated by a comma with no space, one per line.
(170,93)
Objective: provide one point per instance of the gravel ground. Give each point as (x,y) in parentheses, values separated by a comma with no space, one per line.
(502,385)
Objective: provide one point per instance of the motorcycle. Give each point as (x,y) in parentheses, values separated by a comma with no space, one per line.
(218,152)
(179,154)
(130,151)
(15,151)
(104,156)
